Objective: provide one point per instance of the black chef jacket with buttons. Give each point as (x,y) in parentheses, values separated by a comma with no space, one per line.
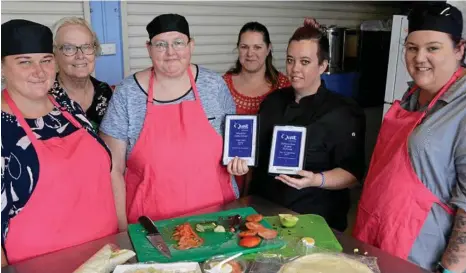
(335,139)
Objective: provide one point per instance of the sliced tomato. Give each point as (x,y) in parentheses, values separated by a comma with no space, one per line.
(254,226)
(247,233)
(267,233)
(254,218)
(250,241)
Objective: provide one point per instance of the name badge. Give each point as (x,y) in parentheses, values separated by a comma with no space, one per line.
(287,151)
(240,138)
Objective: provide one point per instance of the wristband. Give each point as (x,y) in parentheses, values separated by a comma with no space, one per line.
(323,180)
(440,268)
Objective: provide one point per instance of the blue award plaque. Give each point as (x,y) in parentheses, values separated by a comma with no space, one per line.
(240,138)
(287,151)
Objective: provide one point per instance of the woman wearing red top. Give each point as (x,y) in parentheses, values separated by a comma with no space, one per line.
(253,77)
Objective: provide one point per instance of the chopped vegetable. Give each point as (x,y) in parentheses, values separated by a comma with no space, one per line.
(254,226)
(205,227)
(267,234)
(250,241)
(247,233)
(254,218)
(187,238)
(288,220)
(219,228)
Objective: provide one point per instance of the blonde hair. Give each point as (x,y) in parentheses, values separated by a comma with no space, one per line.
(75,21)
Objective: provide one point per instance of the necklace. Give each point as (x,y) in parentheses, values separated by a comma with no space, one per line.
(81,100)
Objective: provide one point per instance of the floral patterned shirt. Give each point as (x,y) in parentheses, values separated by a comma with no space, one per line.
(102,94)
(19,162)
(250,105)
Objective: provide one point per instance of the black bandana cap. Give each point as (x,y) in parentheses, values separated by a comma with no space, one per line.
(440,17)
(166,23)
(23,37)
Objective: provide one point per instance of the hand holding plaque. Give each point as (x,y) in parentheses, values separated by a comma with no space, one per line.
(240,138)
(287,150)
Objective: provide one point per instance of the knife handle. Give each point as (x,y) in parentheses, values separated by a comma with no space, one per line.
(148,225)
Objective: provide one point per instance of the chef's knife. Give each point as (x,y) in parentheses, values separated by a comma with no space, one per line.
(154,236)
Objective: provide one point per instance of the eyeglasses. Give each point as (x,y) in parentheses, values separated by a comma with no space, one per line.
(162,46)
(71,50)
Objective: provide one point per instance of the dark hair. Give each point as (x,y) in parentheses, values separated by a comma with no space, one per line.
(271,73)
(312,31)
(457,43)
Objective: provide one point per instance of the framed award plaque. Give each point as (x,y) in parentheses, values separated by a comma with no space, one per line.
(287,150)
(241,132)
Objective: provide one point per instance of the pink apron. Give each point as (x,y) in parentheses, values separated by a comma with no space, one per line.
(395,203)
(175,166)
(73,199)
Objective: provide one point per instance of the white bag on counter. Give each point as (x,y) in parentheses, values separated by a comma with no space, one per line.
(105,260)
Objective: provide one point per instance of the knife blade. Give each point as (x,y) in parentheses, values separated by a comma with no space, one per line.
(154,236)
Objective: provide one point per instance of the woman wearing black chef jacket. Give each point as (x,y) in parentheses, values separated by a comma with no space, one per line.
(334,156)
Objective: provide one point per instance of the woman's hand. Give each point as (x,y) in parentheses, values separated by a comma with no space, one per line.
(309,179)
(237,167)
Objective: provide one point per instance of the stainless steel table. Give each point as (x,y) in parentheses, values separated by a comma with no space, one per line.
(69,259)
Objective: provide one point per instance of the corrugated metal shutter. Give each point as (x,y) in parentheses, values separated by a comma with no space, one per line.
(44,12)
(215,25)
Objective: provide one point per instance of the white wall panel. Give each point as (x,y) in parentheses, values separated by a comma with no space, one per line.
(215,25)
(44,12)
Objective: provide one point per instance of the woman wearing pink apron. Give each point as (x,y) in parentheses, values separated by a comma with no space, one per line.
(414,197)
(164,128)
(54,194)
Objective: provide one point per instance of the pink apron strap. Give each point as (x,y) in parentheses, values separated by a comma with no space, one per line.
(443,90)
(193,84)
(150,92)
(447,208)
(20,118)
(65,113)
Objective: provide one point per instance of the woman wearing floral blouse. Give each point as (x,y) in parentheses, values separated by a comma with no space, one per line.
(55,171)
(76,47)
(253,77)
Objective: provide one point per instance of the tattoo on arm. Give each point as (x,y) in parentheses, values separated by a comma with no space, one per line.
(454,257)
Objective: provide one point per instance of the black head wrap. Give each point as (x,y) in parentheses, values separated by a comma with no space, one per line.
(22,37)
(440,17)
(166,23)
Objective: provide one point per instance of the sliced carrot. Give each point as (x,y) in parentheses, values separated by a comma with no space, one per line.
(187,238)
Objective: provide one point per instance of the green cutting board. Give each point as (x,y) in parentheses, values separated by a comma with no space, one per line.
(309,225)
(214,243)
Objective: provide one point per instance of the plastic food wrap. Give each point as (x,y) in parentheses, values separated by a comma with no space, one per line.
(105,260)
(237,265)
